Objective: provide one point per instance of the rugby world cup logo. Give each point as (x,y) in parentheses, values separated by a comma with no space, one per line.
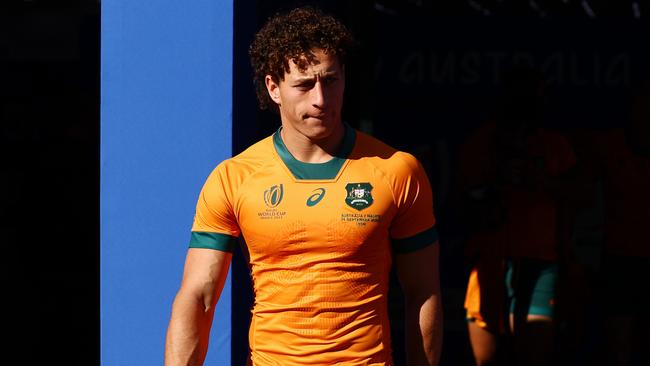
(359,196)
(273,196)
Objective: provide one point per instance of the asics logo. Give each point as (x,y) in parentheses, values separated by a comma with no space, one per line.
(316,197)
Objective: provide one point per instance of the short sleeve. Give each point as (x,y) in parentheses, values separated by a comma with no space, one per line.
(413,227)
(215,225)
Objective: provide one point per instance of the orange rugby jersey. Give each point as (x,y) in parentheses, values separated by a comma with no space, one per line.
(320,239)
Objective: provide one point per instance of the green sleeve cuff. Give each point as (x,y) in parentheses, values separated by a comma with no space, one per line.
(216,241)
(418,241)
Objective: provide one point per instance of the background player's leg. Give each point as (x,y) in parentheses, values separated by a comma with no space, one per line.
(534,341)
(485,345)
(532,313)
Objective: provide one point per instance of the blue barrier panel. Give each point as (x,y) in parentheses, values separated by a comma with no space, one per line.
(166,121)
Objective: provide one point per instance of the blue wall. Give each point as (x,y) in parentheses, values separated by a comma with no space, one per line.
(166,118)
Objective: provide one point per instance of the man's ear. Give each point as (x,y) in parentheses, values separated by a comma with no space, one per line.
(273,88)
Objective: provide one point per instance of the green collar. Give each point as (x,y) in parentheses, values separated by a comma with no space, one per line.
(327,170)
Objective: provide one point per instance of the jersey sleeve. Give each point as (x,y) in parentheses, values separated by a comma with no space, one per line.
(215,225)
(413,227)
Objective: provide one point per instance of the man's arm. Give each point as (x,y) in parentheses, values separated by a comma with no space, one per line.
(191,318)
(419,278)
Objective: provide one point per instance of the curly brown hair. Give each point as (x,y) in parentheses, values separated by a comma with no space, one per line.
(293,36)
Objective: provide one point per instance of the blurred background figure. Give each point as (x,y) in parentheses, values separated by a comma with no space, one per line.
(515,179)
(617,164)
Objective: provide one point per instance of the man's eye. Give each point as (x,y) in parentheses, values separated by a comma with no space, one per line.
(328,81)
(305,86)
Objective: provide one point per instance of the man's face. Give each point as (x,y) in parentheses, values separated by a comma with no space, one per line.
(310,100)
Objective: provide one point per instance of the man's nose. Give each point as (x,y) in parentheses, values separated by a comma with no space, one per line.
(318,95)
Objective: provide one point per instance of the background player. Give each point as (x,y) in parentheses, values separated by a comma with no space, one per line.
(325,211)
(618,174)
(515,177)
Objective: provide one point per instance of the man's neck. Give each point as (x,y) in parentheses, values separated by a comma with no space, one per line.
(308,150)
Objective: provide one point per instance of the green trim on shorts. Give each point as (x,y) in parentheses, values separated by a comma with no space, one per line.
(548,310)
(215,241)
(535,288)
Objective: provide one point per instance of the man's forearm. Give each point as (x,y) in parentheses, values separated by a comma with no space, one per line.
(188,333)
(424,331)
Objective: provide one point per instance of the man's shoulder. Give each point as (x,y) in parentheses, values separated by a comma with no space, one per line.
(246,163)
(368,146)
(260,153)
(385,157)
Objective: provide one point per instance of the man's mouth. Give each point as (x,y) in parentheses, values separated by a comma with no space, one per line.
(317,116)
